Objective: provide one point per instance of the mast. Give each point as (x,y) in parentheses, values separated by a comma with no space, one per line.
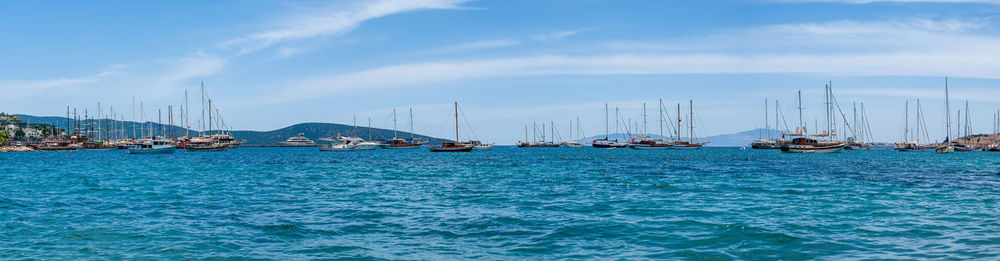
(767,123)
(906,122)
(209,116)
(571,129)
(967,124)
(526,133)
(456,122)
(678,121)
(133,117)
(947,112)
(394,123)
(606,134)
(659,110)
(919,121)
(369,129)
(803,132)
(411,124)
(202,125)
(776,125)
(534,132)
(644,127)
(187,115)
(691,121)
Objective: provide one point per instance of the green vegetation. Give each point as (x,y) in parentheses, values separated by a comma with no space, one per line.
(4,137)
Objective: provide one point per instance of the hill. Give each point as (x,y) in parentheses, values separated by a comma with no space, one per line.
(316,130)
(312,130)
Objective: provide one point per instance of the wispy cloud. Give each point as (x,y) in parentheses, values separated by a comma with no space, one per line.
(16,89)
(557,35)
(894,48)
(475,46)
(331,21)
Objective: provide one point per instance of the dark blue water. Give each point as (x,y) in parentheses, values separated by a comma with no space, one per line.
(509,203)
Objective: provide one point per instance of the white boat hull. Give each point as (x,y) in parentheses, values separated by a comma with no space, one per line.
(168,149)
(483,147)
(337,148)
(945,149)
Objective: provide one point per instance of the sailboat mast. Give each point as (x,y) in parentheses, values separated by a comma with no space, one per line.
(803,131)
(659,111)
(678,121)
(691,121)
(394,123)
(369,128)
(202,125)
(209,116)
(906,122)
(456,122)
(411,124)
(187,115)
(947,111)
(606,121)
(767,122)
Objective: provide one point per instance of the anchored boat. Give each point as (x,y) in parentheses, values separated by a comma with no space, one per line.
(154,146)
(453,146)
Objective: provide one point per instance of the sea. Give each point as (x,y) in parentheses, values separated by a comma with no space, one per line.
(501,204)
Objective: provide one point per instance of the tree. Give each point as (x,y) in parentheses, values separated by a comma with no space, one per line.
(19,134)
(4,137)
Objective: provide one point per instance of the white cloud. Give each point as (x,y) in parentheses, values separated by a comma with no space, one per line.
(557,35)
(17,89)
(893,48)
(338,21)
(475,46)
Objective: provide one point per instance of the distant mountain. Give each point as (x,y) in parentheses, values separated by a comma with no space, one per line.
(725,140)
(312,130)
(315,130)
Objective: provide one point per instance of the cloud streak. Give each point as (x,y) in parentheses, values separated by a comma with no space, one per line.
(894,48)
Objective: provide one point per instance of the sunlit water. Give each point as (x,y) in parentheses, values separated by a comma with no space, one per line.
(508,203)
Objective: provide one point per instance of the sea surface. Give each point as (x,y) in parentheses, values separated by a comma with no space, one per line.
(508,203)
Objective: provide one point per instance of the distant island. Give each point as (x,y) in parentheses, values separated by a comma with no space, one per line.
(312,130)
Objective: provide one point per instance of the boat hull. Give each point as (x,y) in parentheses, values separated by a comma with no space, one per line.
(807,149)
(452,149)
(945,149)
(338,148)
(155,150)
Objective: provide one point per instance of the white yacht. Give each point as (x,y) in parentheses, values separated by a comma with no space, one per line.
(155,146)
(298,141)
(349,144)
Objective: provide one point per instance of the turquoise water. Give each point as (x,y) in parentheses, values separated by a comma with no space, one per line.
(509,203)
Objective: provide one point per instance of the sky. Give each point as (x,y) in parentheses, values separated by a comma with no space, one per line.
(270,64)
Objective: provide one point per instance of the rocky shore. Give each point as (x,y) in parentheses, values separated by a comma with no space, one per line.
(15,149)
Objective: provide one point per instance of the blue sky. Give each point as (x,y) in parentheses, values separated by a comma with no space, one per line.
(269,64)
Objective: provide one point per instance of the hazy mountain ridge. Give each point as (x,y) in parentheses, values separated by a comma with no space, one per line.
(312,130)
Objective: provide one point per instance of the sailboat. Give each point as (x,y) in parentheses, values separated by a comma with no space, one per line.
(644,142)
(453,146)
(607,143)
(947,146)
(572,143)
(805,144)
(908,144)
(396,142)
(767,143)
(689,144)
